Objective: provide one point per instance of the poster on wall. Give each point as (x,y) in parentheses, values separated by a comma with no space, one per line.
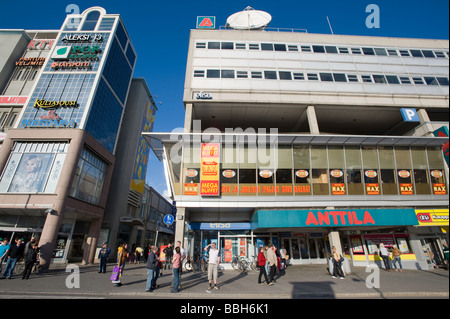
(357,246)
(31,173)
(210,169)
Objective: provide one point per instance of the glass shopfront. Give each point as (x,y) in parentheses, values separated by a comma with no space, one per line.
(314,170)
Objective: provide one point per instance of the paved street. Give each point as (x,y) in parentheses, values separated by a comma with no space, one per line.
(299,282)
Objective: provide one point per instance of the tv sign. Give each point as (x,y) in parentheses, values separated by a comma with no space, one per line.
(410,115)
(206,22)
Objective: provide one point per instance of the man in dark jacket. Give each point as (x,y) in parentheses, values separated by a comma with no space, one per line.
(15,253)
(168,251)
(152,263)
(30,259)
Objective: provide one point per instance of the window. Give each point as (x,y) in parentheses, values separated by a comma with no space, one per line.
(443,81)
(404,52)
(227,45)
(270,75)
(302,172)
(392,79)
(343,50)
(247,176)
(267,46)
(380,51)
(339,77)
(318,49)
(416,53)
(241,46)
(405,80)
(280,47)
(227,74)
(379,78)
(91,21)
(331,49)
(352,78)
(439,54)
(200,45)
(306,48)
(214,45)
(213,74)
(292,48)
(298,76)
(418,81)
(356,51)
(430,80)
(106,24)
(392,52)
(241,74)
(366,78)
(368,51)
(326,77)
(313,77)
(253,46)
(89,177)
(199,73)
(428,53)
(33,167)
(285,75)
(256,75)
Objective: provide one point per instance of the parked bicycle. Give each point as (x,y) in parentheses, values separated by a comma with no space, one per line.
(243,263)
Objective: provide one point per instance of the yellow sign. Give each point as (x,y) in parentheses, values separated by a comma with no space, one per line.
(209,170)
(432,217)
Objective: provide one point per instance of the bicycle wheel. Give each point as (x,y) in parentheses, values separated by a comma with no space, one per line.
(19,268)
(253,265)
(244,264)
(235,264)
(188,265)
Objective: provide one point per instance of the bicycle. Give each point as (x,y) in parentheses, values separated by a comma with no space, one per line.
(239,263)
(201,264)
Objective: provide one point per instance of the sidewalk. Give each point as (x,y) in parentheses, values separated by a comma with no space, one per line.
(299,282)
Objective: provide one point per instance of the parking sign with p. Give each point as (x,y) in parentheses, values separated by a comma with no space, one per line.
(410,115)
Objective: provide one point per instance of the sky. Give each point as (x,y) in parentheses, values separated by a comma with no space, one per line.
(159,31)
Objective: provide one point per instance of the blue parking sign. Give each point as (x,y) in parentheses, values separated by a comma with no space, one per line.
(410,115)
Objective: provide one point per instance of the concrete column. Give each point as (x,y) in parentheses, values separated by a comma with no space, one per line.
(179,225)
(188,118)
(91,241)
(312,120)
(335,241)
(53,221)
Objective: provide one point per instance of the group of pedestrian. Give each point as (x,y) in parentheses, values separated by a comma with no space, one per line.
(396,259)
(13,253)
(270,264)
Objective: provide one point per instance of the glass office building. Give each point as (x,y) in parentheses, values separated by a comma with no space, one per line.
(58,158)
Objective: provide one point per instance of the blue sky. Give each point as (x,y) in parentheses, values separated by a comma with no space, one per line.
(159,31)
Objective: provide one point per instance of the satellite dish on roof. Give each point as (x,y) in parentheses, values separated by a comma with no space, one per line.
(249,19)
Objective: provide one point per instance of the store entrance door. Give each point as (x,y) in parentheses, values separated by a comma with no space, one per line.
(433,251)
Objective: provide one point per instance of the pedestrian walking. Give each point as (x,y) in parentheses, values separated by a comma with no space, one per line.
(139,252)
(30,259)
(266,267)
(396,258)
(384,254)
(337,263)
(272,258)
(213,265)
(176,265)
(152,263)
(14,254)
(103,255)
(168,251)
(262,267)
(183,257)
(122,256)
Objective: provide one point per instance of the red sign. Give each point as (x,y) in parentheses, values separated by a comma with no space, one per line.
(9,100)
(338,189)
(210,169)
(406,189)
(373,189)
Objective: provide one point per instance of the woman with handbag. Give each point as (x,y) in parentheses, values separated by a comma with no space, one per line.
(262,267)
(384,254)
(337,263)
(122,256)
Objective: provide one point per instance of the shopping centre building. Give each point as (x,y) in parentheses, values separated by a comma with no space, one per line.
(71,120)
(310,141)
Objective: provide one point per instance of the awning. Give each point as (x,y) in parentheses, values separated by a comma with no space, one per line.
(157,140)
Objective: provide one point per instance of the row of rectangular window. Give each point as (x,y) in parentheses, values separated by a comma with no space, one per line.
(321,49)
(324,77)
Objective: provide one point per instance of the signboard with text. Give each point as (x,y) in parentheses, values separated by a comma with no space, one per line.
(210,169)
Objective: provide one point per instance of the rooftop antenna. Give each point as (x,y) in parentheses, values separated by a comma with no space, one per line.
(329,24)
(249,19)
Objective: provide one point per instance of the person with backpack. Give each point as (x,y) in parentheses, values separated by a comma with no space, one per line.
(337,263)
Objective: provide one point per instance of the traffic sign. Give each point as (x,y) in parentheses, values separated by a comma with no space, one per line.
(168,219)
